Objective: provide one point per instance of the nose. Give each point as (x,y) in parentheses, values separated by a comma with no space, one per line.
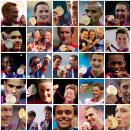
(13,90)
(8,114)
(89,13)
(116,66)
(45,93)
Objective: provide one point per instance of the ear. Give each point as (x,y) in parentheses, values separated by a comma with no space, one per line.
(100,114)
(118,91)
(124,63)
(101,13)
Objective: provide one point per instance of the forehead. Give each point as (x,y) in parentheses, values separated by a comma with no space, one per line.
(12,8)
(90,111)
(42,7)
(123,82)
(122,35)
(63,108)
(95,88)
(97,56)
(121,6)
(6,58)
(116,58)
(119,107)
(84,32)
(65,29)
(71,58)
(16,32)
(92,6)
(45,85)
(13,81)
(6,107)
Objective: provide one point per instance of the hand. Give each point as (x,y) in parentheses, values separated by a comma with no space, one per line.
(29,47)
(83,87)
(80,75)
(123,74)
(85,126)
(108,124)
(111,99)
(29,23)
(108,43)
(46,62)
(89,41)
(115,22)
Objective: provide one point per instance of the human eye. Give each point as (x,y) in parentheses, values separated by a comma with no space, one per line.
(19,87)
(59,112)
(68,112)
(10,85)
(46,11)
(94,11)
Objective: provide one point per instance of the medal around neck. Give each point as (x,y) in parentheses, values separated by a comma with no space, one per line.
(9,44)
(111,90)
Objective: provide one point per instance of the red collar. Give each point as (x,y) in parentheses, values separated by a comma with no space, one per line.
(41,23)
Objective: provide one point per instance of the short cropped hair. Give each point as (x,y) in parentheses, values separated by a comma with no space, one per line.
(122,30)
(56,57)
(6,7)
(31,113)
(48,108)
(99,85)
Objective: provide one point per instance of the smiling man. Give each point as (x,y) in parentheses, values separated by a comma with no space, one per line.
(65,34)
(16,38)
(64,114)
(96,69)
(97,91)
(12,87)
(123,97)
(116,64)
(6,116)
(93,116)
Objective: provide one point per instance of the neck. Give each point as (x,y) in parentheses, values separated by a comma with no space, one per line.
(68,128)
(99,99)
(96,74)
(122,22)
(98,126)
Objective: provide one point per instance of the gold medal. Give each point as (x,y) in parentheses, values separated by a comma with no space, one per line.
(59,11)
(9,44)
(32,20)
(114,121)
(85,20)
(20,71)
(22,113)
(110,17)
(63,48)
(111,90)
